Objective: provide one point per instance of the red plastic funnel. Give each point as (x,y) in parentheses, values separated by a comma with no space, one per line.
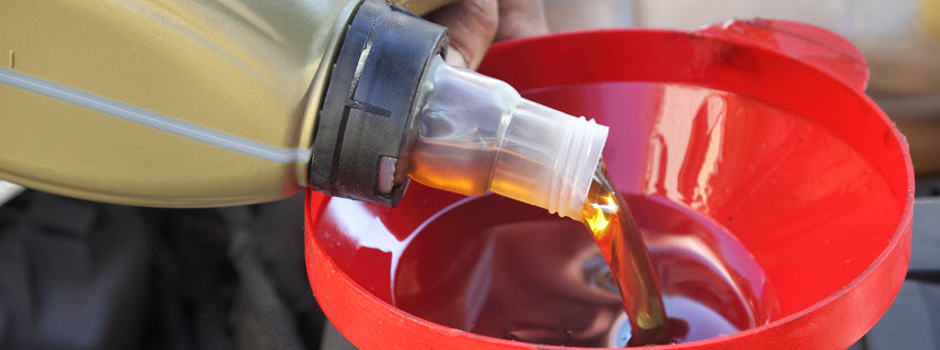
(762,126)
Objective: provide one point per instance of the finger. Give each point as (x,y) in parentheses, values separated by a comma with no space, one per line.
(471,25)
(520,19)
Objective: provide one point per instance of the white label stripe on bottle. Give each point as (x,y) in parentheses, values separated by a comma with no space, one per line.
(154,120)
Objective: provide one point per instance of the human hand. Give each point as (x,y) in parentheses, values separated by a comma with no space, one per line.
(474,24)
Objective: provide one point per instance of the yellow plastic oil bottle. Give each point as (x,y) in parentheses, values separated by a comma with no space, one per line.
(210,103)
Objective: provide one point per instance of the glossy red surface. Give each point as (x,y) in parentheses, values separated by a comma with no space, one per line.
(807,43)
(508,270)
(817,187)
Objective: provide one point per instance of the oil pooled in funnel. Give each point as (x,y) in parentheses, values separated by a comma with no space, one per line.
(500,268)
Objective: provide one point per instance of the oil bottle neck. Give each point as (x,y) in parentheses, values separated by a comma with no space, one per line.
(477,134)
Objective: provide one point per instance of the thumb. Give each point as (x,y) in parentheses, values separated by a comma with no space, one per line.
(472,25)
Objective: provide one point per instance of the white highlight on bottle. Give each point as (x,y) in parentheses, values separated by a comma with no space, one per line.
(8,191)
(154,120)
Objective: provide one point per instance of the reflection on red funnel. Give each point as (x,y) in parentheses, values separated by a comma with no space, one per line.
(811,178)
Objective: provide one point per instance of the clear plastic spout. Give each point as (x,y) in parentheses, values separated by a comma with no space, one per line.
(477,135)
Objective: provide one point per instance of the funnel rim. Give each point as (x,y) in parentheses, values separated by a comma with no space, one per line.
(890,251)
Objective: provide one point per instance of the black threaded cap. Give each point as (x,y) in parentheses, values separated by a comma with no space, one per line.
(368,113)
